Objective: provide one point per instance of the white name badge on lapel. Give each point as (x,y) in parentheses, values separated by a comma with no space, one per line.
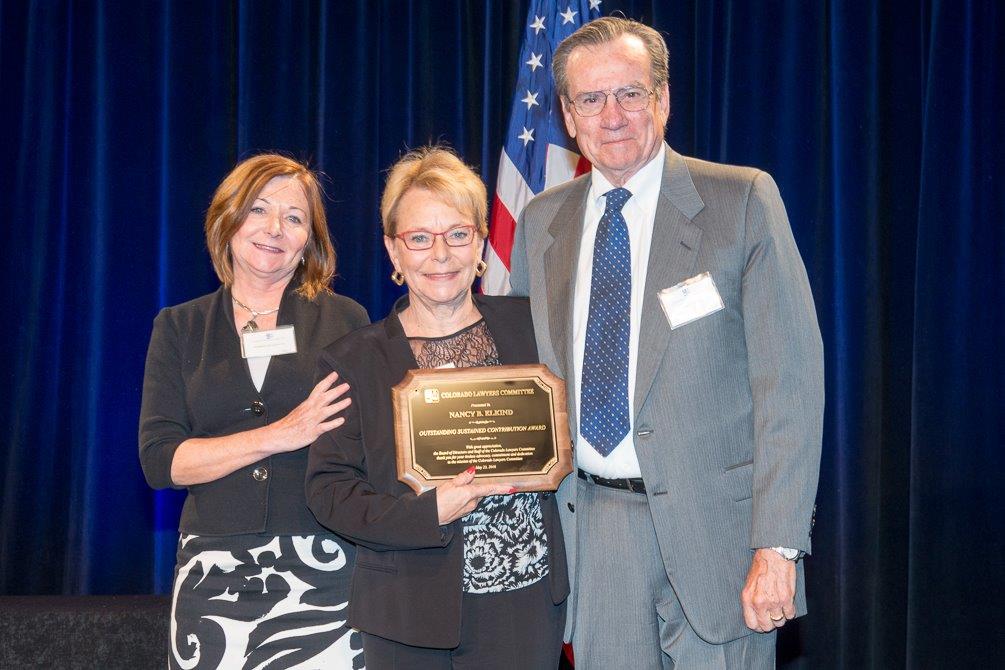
(690,300)
(275,342)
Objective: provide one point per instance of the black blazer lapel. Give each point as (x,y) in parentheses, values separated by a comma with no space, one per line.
(223,345)
(512,329)
(400,357)
(302,314)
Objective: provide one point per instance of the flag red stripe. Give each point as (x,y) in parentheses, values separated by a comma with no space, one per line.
(501,231)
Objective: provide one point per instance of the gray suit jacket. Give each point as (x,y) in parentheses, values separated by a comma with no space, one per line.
(729,408)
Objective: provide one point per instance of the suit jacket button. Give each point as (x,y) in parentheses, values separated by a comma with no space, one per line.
(572,508)
(258,408)
(260,474)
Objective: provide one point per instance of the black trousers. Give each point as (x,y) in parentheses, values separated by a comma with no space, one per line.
(499,631)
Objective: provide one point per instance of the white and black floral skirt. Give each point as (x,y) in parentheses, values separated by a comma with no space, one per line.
(259,601)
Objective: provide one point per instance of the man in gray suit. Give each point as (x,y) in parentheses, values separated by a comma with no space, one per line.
(678,280)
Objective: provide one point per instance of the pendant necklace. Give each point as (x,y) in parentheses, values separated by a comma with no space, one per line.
(252,326)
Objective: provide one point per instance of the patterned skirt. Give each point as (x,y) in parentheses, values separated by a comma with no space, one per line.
(259,601)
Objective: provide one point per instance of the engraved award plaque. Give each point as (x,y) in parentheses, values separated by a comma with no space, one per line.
(509,421)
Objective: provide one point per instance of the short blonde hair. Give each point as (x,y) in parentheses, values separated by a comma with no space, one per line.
(232,202)
(440,171)
(604,30)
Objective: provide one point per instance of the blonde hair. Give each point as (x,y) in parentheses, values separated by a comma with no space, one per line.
(440,171)
(232,202)
(604,30)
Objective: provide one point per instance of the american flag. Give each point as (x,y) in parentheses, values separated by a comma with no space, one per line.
(538,153)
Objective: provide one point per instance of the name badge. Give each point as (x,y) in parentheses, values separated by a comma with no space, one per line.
(275,342)
(690,300)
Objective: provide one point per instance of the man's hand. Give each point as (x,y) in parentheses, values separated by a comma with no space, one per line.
(768,598)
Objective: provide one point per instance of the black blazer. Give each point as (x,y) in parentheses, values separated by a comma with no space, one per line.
(197,385)
(406,585)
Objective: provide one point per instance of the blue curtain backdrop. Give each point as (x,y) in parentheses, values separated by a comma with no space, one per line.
(881,122)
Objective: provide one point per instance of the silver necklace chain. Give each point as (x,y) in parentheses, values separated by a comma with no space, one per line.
(252,325)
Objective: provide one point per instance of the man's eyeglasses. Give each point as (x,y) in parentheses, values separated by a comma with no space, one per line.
(420,240)
(631,99)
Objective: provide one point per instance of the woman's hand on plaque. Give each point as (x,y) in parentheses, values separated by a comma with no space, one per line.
(462,494)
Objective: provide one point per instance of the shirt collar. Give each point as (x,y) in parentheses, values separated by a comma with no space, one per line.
(644,182)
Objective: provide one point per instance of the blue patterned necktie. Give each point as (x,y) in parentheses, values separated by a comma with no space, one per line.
(603,401)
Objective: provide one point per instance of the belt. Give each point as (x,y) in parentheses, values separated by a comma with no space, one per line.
(635,485)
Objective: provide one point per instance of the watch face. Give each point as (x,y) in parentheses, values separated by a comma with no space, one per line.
(787,553)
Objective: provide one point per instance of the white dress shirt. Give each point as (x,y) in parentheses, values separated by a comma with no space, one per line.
(258,366)
(639,213)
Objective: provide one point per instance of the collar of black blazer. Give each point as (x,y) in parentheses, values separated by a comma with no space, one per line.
(393,327)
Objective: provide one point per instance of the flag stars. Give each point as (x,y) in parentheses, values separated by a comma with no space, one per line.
(535,61)
(538,24)
(595,4)
(530,100)
(527,136)
(568,16)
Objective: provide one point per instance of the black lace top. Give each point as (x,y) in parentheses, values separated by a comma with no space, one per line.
(504,541)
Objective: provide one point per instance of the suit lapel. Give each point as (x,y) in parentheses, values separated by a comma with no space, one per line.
(226,342)
(401,358)
(672,255)
(511,348)
(560,263)
(285,370)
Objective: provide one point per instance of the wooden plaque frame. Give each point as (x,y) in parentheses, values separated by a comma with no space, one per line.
(477,412)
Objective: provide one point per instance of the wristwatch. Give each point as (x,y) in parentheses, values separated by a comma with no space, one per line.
(788,554)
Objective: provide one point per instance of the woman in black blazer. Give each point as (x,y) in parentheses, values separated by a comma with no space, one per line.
(463,575)
(258,581)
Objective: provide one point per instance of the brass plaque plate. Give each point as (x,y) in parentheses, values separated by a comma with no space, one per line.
(509,421)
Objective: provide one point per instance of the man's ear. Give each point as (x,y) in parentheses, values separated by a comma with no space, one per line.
(570,121)
(664,101)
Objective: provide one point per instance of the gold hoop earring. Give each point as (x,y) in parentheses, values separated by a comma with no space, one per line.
(480,268)
(397,278)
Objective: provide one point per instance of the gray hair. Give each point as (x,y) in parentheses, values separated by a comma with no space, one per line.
(603,31)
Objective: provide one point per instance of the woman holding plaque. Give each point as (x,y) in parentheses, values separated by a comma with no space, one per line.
(469,574)
(229,403)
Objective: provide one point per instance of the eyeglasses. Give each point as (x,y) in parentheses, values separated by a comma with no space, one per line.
(420,240)
(631,99)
